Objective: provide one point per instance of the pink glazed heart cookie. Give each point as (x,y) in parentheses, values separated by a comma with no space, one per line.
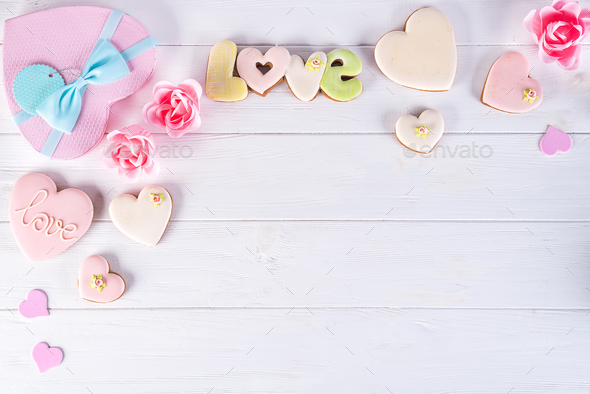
(97,283)
(65,67)
(508,86)
(143,218)
(555,141)
(278,58)
(47,357)
(44,221)
(35,305)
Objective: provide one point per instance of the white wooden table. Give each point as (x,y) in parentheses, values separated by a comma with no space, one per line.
(308,253)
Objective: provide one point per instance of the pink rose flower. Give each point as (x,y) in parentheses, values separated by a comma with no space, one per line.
(532,94)
(176,108)
(559,30)
(131,150)
(97,282)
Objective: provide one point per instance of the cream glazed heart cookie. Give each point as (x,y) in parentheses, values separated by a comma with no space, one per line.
(422,57)
(97,283)
(508,86)
(143,218)
(44,221)
(277,58)
(420,134)
(303,78)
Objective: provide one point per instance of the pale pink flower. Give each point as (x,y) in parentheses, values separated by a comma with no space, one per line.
(176,108)
(559,30)
(131,151)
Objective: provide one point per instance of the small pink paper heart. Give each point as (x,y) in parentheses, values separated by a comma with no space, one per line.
(555,141)
(35,305)
(47,357)
(96,281)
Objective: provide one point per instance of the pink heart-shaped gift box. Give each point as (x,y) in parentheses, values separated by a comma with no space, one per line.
(63,38)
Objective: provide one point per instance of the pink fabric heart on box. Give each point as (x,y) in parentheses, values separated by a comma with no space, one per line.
(35,305)
(44,221)
(97,283)
(47,357)
(63,39)
(278,58)
(555,141)
(509,88)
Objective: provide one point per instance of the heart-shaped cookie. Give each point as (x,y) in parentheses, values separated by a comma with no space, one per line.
(304,78)
(278,58)
(221,84)
(145,218)
(35,305)
(555,141)
(508,86)
(44,221)
(97,283)
(70,35)
(422,57)
(47,357)
(420,134)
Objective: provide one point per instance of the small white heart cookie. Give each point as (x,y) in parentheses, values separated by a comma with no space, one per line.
(422,57)
(420,134)
(145,218)
(304,78)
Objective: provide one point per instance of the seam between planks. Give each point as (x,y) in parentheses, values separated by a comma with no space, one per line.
(363,220)
(325,307)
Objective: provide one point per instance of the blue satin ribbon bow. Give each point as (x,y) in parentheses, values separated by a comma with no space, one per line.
(104,65)
(62,108)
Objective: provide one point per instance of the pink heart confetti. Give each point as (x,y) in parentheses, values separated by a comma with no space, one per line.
(555,141)
(35,305)
(47,357)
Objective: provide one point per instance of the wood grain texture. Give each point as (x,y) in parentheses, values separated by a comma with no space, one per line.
(376,109)
(335,177)
(302,351)
(322,264)
(308,252)
(331,22)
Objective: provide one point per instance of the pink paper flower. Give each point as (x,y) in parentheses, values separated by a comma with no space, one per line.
(559,30)
(131,150)
(176,108)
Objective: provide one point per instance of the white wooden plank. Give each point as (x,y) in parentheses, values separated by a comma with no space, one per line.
(301,351)
(286,264)
(376,109)
(342,22)
(336,177)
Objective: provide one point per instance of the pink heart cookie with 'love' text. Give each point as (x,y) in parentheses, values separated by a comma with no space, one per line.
(555,141)
(44,221)
(278,58)
(509,88)
(47,357)
(96,281)
(35,305)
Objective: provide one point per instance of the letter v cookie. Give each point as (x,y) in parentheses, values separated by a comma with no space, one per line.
(221,84)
